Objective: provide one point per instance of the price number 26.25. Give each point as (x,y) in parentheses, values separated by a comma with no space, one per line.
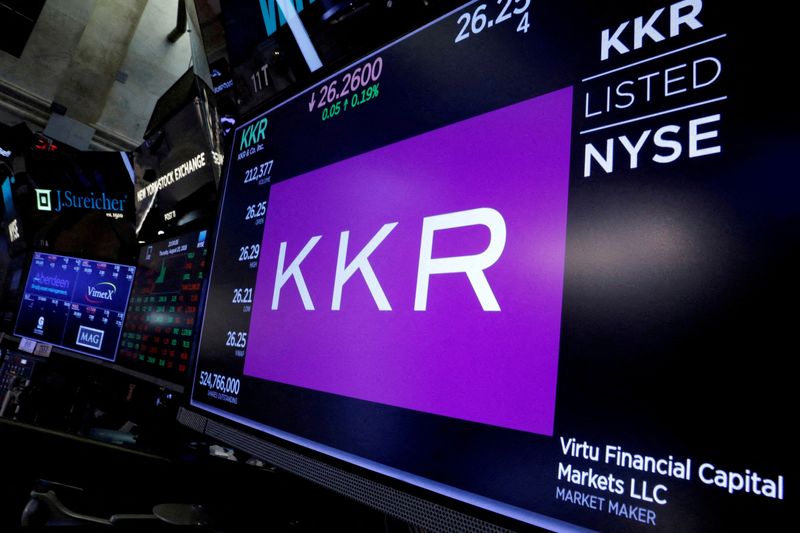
(473,23)
(236,339)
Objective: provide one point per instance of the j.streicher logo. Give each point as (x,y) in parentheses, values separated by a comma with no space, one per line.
(57,200)
(43,200)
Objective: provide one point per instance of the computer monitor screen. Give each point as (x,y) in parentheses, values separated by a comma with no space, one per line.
(159,333)
(79,203)
(530,258)
(76,304)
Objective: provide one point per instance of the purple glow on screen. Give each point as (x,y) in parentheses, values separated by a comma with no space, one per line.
(507,172)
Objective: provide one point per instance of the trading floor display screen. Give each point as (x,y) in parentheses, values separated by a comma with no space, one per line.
(74,303)
(159,333)
(532,257)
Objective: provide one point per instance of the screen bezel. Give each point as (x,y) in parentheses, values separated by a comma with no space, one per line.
(522,519)
(57,348)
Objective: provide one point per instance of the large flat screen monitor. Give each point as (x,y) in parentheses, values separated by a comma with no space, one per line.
(160,325)
(76,304)
(528,263)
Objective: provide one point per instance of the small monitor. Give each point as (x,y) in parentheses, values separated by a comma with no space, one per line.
(74,303)
(159,332)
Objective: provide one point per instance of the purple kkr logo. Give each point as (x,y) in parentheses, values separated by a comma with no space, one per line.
(426,274)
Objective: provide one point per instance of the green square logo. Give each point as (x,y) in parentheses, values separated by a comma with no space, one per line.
(43,200)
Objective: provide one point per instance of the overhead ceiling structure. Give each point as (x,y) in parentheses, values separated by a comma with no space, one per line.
(91,71)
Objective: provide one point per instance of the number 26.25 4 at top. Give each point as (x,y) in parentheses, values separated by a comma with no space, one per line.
(476,21)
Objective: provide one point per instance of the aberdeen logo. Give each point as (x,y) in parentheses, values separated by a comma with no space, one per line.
(50,281)
(47,201)
(50,284)
(90,338)
(43,200)
(101,292)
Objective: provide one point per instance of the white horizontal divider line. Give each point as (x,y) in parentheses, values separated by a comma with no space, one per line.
(665,54)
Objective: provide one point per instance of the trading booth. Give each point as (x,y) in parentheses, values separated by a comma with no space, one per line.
(433,266)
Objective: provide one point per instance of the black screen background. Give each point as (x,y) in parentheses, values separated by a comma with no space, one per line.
(147,337)
(671,344)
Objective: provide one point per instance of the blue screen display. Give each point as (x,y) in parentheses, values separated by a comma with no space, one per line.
(77,304)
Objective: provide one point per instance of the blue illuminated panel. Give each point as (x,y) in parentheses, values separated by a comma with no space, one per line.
(75,303)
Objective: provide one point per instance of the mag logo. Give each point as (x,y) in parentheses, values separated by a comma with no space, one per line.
(90,337)
(100,292)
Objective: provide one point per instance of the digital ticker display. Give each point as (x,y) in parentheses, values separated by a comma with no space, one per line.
(158,337)
(529,257)
(74,303)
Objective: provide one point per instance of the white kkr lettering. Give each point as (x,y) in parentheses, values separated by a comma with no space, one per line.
(471,265)
(361,262)
(680,13)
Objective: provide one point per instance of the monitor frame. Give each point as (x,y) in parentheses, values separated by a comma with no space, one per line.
(400,498)
(175,386)
(56,348)
(398,495)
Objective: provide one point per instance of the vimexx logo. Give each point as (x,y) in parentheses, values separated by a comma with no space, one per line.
(100,292)
(57,200)
(427,274)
